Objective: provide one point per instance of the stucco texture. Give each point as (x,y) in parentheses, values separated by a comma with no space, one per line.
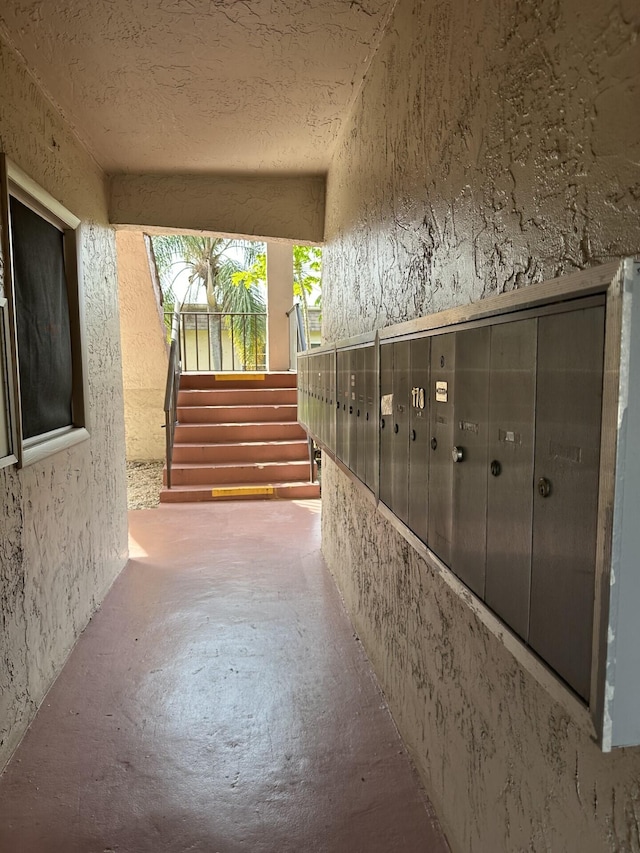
(251,206)
(144,349)
(63,520)
(493,145)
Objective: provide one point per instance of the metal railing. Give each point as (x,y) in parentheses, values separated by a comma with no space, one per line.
(298,343)
(297,337)
(171,393)
(220,341)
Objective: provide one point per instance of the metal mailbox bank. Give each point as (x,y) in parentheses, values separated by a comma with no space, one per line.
(498,439)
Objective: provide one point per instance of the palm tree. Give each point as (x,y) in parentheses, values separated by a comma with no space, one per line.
(211,268)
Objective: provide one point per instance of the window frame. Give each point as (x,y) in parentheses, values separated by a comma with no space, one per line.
(17,184)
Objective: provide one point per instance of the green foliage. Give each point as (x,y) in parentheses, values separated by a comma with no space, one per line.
(307,266)
(211,269)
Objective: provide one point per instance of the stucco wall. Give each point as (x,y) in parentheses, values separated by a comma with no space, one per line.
(144,351)
(265,206)
(493,145)
(62,521)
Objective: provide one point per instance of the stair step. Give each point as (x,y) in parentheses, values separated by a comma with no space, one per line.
(203,380)
(236,414)
(248,491)
(237,396)
(195,473)
(235,432)
(245,451)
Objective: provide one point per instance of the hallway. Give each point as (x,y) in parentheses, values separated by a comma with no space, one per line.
(217,701)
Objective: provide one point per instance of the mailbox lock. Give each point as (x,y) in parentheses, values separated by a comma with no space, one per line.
(413,435)
(544,487)
(456,454)
(496,468)
(358,413)
(381,423)
(350,410)
(434,443)
(396,428)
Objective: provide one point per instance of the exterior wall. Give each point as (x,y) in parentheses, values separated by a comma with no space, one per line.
(144,351)
(63,526)
(493,145)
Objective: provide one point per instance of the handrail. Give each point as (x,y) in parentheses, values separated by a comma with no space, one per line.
(297,337)
(298,343)
(171,393)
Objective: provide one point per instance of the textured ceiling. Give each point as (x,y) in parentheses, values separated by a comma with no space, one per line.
(200,85)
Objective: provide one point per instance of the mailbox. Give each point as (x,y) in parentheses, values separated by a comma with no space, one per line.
(303,402)
(370,416)
(420,402)
(394,427)
(498,437)
(354,380)
(360,459)
(343,391)
(440,489)
(330,369)
(565,503)
(510,473)
(468,456)
(386,421)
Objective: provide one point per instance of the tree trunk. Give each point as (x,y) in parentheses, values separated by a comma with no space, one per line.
(215,341)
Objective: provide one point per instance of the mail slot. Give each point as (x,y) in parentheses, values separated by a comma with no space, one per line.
(419,436)
(565,482)
(468,456)
(440,487)
(510,471)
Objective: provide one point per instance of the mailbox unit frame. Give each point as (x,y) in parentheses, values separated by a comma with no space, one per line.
(611,714)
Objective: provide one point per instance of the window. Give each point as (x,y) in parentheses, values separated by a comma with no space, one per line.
(45,375)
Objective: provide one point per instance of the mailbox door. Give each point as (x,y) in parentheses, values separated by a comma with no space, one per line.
(301,396)
(440,444)
(469,457)
(568,416)
(400,439)
(331,408)
(327,404)
(320,372)
(386,422)
(512,396)
(419,437)
(342,403)
(370,416)
(360,408)
(311,370)
(352,407)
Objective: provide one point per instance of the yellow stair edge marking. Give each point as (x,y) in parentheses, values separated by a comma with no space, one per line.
(230,491)
(249,377)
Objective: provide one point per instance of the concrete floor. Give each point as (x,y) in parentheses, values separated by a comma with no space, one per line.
(217,702)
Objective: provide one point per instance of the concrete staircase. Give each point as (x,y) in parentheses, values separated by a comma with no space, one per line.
(238,438)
